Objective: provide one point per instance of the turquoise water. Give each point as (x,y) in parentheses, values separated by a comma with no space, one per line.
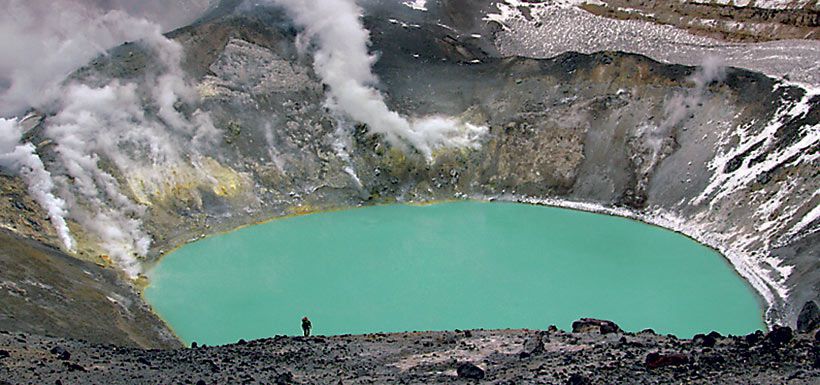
(447,266)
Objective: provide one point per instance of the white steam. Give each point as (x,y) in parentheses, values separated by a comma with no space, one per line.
(134,128)
(22,159)
(343,62)
(681,105)
(112,124)
(46,40)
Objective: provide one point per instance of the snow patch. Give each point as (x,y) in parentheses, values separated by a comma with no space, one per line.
(418,5)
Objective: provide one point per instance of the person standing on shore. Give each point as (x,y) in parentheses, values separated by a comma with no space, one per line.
(306,326)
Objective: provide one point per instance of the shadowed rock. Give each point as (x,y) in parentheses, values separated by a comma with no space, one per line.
(809,317)
(779,335)
(707,341)
(590,325)
(578,379)
(61,353)
(468,370)
(656,360)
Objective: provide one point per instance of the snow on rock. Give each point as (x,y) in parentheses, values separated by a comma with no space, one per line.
(419,5)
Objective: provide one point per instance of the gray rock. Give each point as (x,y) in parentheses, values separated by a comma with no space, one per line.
(590,325)
(657,360)
(469,370)
(809,317)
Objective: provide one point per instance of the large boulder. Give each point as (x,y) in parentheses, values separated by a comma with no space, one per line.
(533,346)
(779,335)
(705,340)
(469,370)
(590,325)
(809,318)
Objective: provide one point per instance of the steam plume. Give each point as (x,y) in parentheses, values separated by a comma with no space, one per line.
(111,123)
(44,41)
(23,160)
(342,60)
(107,123)
(680,105)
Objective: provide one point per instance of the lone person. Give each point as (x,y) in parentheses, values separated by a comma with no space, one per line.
(306,326)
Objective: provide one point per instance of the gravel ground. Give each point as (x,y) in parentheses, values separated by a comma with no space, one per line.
(499,357)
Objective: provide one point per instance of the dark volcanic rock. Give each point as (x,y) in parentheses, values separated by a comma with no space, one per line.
(4,354)
(656,360)
(61,353)
(578,379)
(418,358)
(589,325)
(809,317)
(284,379)
(469,370)
(704,340)
(73,367)
(779,335)
(753,338)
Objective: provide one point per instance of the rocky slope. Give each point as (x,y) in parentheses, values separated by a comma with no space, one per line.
(595,353)
(46,292)
(725,155)
(760,21)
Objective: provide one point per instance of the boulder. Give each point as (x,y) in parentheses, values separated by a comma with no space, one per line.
(715,334)
(578,379)
(4,354)
(809,318)
(469,370)
(590,325)
(779,335)
(706,341)
(656,360)
(753,338)
(532,346)
(284,378)
(61,353)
